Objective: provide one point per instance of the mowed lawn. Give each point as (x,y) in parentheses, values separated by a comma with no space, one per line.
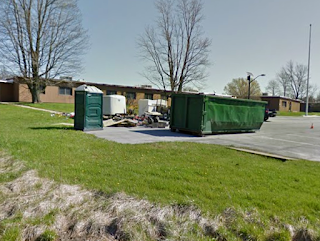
(62,107)
(286,113)
(211,177)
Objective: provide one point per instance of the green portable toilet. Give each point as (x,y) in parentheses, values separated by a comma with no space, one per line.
(207,114)
(88,108)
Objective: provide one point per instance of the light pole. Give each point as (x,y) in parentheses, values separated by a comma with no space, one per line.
(251,80)
(307,102)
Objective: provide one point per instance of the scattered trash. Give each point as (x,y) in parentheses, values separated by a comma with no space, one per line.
(151,119)
(146,105)
(122,122)
(311,126)
(61,114)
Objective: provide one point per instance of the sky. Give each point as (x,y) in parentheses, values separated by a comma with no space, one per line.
(257,36)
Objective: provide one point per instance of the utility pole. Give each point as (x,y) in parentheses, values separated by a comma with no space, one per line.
(307,102)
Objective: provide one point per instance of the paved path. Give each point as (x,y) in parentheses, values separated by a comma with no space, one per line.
(285,136)
(33,108)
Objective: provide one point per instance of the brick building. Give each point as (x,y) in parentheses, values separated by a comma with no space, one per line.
(62,91)
(280,103)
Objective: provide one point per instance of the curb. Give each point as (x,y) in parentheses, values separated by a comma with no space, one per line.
(282,158)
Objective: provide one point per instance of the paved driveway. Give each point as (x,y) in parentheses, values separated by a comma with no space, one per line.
(285,136)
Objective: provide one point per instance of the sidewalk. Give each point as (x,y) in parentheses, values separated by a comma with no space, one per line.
(33,108)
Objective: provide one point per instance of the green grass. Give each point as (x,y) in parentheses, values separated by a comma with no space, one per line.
(10,234)
(287,113)
(62,107)
(211,177)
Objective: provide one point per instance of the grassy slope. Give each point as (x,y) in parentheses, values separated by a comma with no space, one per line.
(212,177)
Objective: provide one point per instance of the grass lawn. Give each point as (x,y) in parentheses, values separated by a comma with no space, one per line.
(286,113)
(211,177)
(62,107)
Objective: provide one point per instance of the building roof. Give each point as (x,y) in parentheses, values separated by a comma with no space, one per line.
(126,86)
(6,81)
(280,97)
(109,86)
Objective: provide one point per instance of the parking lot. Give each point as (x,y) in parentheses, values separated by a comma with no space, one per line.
(285,136)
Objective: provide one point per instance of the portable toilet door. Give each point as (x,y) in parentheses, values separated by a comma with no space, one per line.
(88,108)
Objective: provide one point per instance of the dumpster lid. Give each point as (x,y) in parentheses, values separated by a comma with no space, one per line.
(90,89)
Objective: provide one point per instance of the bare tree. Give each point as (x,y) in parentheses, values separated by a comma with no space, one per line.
(4,73)
(313,88)
(294,76)
(240,87)
(284,81)
(41,39)
(175,49)
(298,78)
(273,87)
(318,97)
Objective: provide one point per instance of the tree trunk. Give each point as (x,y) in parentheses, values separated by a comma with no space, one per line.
(35,93)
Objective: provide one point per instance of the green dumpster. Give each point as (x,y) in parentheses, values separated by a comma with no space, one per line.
(207,114)
(88,108)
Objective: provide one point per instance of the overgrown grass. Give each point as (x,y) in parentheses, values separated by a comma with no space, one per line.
(10,234)
(62,107)
(211,177)
(287,113)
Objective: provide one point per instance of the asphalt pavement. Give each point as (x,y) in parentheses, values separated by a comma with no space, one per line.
(290,137)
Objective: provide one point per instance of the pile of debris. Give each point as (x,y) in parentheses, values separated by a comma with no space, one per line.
(149,119)
(152,113)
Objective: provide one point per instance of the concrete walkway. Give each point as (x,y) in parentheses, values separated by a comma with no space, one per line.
(288,137)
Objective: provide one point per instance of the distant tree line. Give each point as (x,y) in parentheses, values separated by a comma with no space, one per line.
(239,87)
(291,81)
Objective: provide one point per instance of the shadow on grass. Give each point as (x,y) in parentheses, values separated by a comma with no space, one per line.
(165,133)
(181,133)
(52,128)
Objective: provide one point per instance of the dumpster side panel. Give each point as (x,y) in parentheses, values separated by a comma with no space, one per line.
(233,115)
(204,114)
(186,112)
(194,114)
(178,111)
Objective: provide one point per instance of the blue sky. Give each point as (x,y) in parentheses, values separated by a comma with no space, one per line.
(259,36)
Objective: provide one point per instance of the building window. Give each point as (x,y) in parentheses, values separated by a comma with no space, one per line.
(284,103)
(111,92)
(65,91)
(42,89)
(164,97)
(131,95)
(148,96)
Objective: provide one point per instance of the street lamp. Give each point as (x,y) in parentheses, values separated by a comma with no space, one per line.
(307,102)
(251,80)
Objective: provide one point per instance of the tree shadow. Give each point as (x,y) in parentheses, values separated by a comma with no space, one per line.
(165,133)
(189,134)
(52,128)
